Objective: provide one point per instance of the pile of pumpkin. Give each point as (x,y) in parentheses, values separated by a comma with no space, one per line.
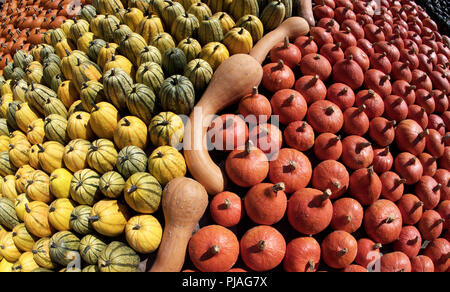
(356,176)
(89,121)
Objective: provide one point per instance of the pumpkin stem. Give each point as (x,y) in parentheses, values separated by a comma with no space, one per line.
(302,128)
(261,245)
(248,147)
(336,184)
(93,218)
(326,195)
(159,154)
(389,125)
(227,203)
(255,90)
(370,170)
(132,189)
(438,222)
(41,149)
(343,251)
(437,188)
(136,227)
(385,151)
(278,187)
(279,66)
(126,122)
(329,110)
(215,249)
(311,265)
(292,165)
(348,219)
(416,206)
(398,101)
(445,138)
(388,220)
(377,245)
(51,209)
(384,79)
(361,108)
(290,98)
(422,135)
(95,106)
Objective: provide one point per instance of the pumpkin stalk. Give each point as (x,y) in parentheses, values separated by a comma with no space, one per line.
(329,110)
(437,222)
(292,165)
(416,206)
(227,203)
(261,245)
(278,187)
(93,218)
(311,265)
(215,249)
(255,90)
(437,187)
(377,245)
(388,220)
(132,189)
(325,195)
(286,43)
(248,147)
(279,66)
(343,251)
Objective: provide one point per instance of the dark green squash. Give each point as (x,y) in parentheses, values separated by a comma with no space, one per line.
(210,30)
(94,48)
(6,167)
(131,46)
(173,62)
(131,159)
(37,95)
(118,257)
(141,102)
(79,221)
(63,247)
(88,12)
(13,106)
(177,95)
(55,128)
(117,85)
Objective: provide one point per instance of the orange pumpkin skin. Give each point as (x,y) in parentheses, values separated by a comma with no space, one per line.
(262,195)
(328,146)
(331,174)
(347,215)
(262,248)
(395,262)
(437,250)
(368,252)
(247,167)
(411,208)
(302,255)
(422,264)
(310,211)
(383,221)
(339,249)
(213,248)
(226,209)
(409,241)
(292,168)
(430,225)
(354,269)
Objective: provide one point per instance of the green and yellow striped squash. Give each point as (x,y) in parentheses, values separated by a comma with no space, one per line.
(173,62)
(64,246)
(109,217)
(177,95)
(107,6)
(119,61)
(36,219)
(133,17)
(88,12)
(8,249)
(105,54)
(75,154)
(19,154)
(25,116)
(8,187)
(94,48)
(84,187)
(166,128)
(238,41)
(169,11)
(120,32)
(162,41)
(50,156)
(19,205)
(199,72)
(150,26)
(25,263)
(67,93)
(83,72)
(22,238)
(253,25)
(79,220)
(150,74)
(131,159)
(107,26)
(91,93)
(55,106)
(8,216)
(41,253)
(131,45)
(77,29)
(102,155)
(91,246)
(200,10)
(190,47)
(118,257)
(37,95)
(112,184)
(149,54)
(185,25)
(55,127)
(59,213)
(166,163)
(143,193)
(210,30)
(273,15)
(116,85)
(141,102)
(84,41)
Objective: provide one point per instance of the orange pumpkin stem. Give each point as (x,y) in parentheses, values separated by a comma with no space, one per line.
(286,42)
(326,195)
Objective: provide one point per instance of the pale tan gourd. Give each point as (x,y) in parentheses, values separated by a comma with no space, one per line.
(234,78)
(184,201)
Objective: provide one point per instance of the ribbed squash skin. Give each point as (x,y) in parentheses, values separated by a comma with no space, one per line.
(41,253)
(199,72)
(8,217)
(273,14)
(19,205)
(55,128)
(112,184)
(166,163)
(109,217)
(91,246)
(104,119)
(36,219)
(78,126)
(190,47)
(253,25)
(210,30)
(130,130)
(36,132)
(102,155)
(131,46)
(143,233)
(91,93)
(26,263)
(177,94)
(200,10)
(130,160)
(37,94)
(149,54)
(6,167)
(22,238)
(63,247)
(59,213)
(50,156)
(185,25)
(173,61)
(166,128)
(238,41)
(8,249)
(150,26)
(150,74)
(75,154)
(38,187)
(141,102)
(117,84)
(214,53)
(162,41)
(244,7)
(79,221)
(118,257)
(84,187)
(143,193)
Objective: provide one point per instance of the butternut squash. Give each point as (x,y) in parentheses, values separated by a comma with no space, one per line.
(234,78)
(184,201)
